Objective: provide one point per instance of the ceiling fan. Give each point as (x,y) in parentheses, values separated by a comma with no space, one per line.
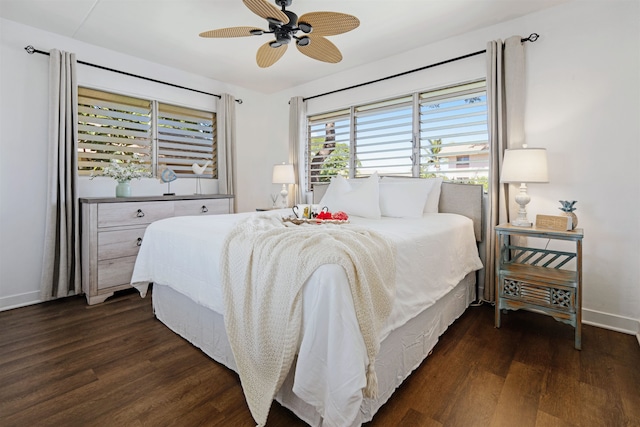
(284,25)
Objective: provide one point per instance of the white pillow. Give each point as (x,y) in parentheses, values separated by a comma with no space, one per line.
(361,199)
(403,198)
(433,199)
(431,185)
(337,186)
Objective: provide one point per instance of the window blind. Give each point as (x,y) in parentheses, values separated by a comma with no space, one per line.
(111,126)
(186,136)
(442,132)
(328,147)
(383,134)
(453,133)
(114,126)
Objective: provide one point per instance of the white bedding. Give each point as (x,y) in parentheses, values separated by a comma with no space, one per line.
(434,253)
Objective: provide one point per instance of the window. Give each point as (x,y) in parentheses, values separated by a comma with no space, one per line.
(462,162)
(186,136)
(454,142)
(113,126)
(383,137)
(328,149)
(437,133)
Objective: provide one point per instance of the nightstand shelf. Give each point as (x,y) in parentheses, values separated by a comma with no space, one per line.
(535,279)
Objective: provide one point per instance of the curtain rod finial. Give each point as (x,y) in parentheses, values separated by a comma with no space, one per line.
(30,49)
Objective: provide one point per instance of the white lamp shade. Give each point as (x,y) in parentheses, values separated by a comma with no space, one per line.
(525,165)
(283,174)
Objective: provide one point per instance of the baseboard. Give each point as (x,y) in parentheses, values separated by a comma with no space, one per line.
(622,324)
(613,322)
(20,300)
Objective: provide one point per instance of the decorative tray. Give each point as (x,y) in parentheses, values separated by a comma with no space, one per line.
(299,221)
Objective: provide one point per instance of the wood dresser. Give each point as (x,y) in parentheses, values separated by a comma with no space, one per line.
(112,229)
(537,279)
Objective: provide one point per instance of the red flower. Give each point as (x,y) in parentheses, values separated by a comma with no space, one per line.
(342,216)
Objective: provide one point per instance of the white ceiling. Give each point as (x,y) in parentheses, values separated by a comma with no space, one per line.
(166,31)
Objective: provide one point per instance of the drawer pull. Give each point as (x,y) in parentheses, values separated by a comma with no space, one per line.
(140,214)
(204,209)
(139,241)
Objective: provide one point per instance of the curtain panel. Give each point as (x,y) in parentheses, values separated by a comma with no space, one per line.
(61,262)
(505,105)
(297,142)
(226,116)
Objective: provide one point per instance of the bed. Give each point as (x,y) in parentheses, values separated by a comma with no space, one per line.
(324,385)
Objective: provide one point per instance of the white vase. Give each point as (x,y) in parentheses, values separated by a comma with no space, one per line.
(123,189)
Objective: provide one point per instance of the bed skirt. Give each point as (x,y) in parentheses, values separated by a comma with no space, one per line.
(401,351)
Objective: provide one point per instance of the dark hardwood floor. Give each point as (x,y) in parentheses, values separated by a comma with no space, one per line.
(63,363)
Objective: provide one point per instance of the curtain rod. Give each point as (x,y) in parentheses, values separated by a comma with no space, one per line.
(532,38)
(31,50)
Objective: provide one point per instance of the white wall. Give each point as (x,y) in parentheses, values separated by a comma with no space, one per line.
(23,129)
(583,97)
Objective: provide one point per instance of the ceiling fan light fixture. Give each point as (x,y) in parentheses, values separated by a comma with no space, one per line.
(305,28)
(303,41)
(285,24)
(283,36)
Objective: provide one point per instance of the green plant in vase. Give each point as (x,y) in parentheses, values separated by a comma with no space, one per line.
(567,208)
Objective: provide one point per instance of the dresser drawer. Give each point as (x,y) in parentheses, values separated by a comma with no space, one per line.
(132,213)
(115,272)
(201,207)
(120,243)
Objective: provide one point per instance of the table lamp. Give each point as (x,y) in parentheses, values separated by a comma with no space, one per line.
(524,165)
(283,174)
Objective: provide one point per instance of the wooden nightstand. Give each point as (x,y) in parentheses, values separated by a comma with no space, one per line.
(536,279)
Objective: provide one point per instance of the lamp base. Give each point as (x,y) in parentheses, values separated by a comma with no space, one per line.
(520,223)
(284,194)
(522,199)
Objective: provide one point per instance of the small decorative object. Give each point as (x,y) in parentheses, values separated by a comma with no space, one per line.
(124,172)
(324,214)
(302,211)
(123,189)
(199,171)
(553,222)
(274,199)
(567,208)
(168,176)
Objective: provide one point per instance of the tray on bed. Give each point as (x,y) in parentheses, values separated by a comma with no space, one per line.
(299,221)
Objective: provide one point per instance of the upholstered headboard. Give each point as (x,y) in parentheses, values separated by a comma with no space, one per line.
(461,199)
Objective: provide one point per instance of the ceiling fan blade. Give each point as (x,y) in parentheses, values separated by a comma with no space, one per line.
(321,49)
(267,55)
(329,23)
(266,10)
(230,32)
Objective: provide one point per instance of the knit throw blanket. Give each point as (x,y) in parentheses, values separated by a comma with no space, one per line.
(264,264)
